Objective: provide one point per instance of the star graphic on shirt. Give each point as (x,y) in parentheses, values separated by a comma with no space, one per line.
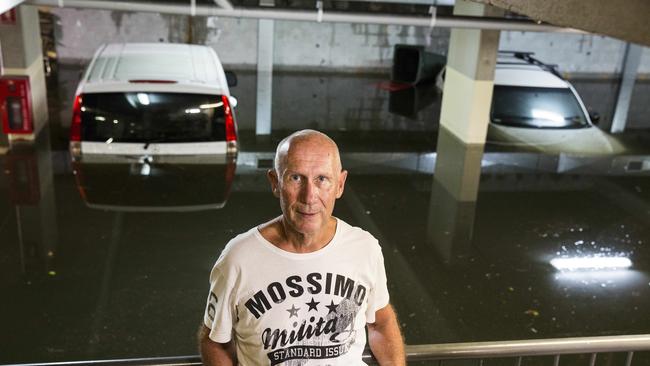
(313,305)
(293,311)
(331,307)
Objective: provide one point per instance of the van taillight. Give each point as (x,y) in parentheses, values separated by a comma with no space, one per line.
(75,129)
(231,129)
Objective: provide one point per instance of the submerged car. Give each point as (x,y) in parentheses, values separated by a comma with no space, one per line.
(534,107)
(153,129)
(143,99)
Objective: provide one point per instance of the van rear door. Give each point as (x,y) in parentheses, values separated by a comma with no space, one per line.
(146,122)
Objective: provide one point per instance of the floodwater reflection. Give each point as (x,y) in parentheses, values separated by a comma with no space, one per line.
(154,183)
(109,257)
(452,208)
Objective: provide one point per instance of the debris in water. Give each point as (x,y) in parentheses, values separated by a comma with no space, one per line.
(532,312)
(511,289)
(533,330)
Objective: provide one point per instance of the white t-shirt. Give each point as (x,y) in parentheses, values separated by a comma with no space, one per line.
(290,309)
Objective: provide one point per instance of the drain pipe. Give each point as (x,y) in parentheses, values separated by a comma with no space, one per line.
(310,16)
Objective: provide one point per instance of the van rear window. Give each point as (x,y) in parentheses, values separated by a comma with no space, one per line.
(152,117)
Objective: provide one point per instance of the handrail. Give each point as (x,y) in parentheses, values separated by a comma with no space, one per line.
(427,352)
(532,347)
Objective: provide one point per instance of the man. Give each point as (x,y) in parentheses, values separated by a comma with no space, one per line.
(301,288)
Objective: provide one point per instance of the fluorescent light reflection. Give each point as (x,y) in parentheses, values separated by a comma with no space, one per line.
(100,118)
(192,111)
(591,263)
(109,141)
(557,119)
(143,98)
(211,105)
(605,280)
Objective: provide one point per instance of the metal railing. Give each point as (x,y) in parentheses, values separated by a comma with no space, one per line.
(479,351)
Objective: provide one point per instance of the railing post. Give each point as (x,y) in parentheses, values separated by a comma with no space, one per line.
(592,360)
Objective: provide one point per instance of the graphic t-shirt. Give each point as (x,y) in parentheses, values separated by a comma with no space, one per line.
(292,309)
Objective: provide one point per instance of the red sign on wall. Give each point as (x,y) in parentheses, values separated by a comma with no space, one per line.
(8,17)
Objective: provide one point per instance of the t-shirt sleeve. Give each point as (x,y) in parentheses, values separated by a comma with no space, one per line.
(379,295)
(218,315)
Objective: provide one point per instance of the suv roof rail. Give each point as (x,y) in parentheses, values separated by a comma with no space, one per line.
(528,57)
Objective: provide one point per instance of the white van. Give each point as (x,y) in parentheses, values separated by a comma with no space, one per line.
(147,99)
(534,107)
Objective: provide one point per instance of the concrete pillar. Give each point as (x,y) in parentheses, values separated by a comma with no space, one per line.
(264,76)
(22,55)
(469,77)
(452,205)
(631,62)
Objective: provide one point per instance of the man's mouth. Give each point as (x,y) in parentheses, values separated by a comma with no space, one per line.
(307,213)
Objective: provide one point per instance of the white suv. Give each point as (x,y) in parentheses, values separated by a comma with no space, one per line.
(147,99)
(533,106)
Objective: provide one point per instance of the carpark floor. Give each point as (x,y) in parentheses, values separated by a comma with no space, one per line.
(86,276)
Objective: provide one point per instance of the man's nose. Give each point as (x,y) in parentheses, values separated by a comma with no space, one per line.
(309,192)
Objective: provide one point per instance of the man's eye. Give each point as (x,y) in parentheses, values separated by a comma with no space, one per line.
(294,178)
(322,178)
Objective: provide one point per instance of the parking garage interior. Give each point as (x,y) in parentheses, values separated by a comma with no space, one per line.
(100,264)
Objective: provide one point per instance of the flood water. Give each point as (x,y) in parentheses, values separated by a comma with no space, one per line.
(119,268)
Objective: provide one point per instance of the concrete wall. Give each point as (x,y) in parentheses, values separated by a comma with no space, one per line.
(308,46)
(574,53)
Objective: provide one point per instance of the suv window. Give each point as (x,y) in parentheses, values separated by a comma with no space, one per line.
(152,117)
(536,107)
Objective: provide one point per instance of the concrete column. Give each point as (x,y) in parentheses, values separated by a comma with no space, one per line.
(469,77)
(22,55)
(452,206)
(264,76)
(631,62)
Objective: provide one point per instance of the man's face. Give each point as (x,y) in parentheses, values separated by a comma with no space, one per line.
(308,184)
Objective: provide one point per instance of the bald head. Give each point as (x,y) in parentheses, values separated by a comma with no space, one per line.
(304,138)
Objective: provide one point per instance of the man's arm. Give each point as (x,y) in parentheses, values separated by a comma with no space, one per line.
(385,338)
(216,354)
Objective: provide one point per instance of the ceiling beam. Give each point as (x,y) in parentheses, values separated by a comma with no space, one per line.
(627,20)
(312,16)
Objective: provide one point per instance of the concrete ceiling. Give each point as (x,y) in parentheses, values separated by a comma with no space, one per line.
(628,20)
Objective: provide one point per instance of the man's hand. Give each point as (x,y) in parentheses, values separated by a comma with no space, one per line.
(385,338)
(213,353)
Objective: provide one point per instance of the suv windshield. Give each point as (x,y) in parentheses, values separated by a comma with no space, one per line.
(536,108)
(152,117)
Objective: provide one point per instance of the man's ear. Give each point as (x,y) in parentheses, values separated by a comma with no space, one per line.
(272,176)
(341,183)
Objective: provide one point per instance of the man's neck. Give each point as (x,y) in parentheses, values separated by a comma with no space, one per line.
(283,236)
